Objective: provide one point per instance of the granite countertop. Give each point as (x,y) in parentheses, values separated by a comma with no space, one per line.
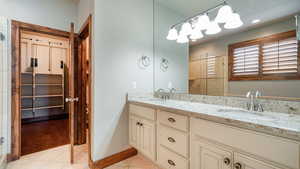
(274,123)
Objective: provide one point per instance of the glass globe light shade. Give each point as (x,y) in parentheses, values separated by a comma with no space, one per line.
(213,28)
(186,29)
(173,34)
(224,14)
(234,22)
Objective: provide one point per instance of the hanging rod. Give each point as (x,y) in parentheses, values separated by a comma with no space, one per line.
(200,13)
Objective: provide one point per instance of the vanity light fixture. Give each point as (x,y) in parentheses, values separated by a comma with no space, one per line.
(192,27)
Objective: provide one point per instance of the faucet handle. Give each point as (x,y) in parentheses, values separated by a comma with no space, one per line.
(257,94)
(249,93)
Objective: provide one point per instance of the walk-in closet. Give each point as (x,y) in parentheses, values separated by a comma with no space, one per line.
(44,119)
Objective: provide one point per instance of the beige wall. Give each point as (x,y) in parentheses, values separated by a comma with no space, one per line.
(290,88)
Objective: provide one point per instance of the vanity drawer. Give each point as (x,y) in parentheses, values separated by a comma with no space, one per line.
(275,149)
(173,120)
(141,111)
(168,159)
(174,140)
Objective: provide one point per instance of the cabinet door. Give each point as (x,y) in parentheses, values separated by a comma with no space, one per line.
(26,55)
(197,86)
(58,56)
(207,156)
(42,55)
(215,87)
(246,162)
(195,71)
(148,139)
(134,131)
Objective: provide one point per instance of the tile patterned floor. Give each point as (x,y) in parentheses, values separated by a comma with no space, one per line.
(136,162)
(56,158)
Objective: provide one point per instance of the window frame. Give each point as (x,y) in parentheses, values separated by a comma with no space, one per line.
(260,42)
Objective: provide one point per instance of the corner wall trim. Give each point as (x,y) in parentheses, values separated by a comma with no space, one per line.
(108,161)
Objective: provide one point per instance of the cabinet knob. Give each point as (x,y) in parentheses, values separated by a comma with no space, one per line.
(171,163)
(172,120)
(226,161)
(172,140)
(138,123)
(237,166)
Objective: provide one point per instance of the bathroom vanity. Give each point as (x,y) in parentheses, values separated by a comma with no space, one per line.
(188,135)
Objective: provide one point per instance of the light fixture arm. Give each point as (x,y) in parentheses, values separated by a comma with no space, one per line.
(201,13)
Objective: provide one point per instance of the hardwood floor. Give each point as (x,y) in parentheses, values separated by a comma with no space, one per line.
(44,135)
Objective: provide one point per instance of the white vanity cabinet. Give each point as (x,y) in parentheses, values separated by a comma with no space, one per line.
(213,144)
(142,130)
(186,142)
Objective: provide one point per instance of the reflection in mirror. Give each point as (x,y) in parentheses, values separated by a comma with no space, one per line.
(228,48)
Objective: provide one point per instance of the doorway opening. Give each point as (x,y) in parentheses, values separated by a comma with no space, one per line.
(47,66)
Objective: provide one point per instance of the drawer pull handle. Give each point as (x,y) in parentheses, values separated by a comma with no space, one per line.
(237,166)
(171,163)
(172,120)
(172,140)
(226,161)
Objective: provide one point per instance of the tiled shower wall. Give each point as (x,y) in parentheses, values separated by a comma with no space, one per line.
(5,83)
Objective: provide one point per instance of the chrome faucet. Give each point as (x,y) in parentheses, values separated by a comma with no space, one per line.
(250,103)
(162,94)
(258,105)
(253,103)
(165,95)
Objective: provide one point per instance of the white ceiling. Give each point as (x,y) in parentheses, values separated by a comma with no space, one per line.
(265,10)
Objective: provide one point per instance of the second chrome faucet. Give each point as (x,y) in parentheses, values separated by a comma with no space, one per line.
(253,103)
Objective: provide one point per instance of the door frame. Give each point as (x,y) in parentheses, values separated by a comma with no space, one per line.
(86,30)
(16,28)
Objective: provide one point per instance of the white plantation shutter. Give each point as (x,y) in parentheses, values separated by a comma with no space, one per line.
(280,56)
(246,60)
(211,65)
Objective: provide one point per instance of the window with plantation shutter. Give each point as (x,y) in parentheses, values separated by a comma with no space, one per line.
(211,65)
(280,56)
(274,57)
(245,60)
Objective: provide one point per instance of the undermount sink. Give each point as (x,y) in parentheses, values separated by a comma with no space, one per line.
(253,116)
(232,111)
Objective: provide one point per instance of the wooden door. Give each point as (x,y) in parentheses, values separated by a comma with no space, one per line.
(41,53)
(148,138)
(58,56)
(134,131)
(26,55)
(71,100)
(207,156)
(245,162)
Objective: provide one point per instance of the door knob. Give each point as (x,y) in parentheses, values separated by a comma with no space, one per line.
(76,99)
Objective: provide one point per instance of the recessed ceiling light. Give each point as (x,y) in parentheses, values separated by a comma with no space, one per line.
(255,21)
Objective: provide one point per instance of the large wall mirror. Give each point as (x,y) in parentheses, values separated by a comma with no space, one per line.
(227,48)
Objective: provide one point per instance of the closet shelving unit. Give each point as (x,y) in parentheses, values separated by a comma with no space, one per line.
(42,85)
